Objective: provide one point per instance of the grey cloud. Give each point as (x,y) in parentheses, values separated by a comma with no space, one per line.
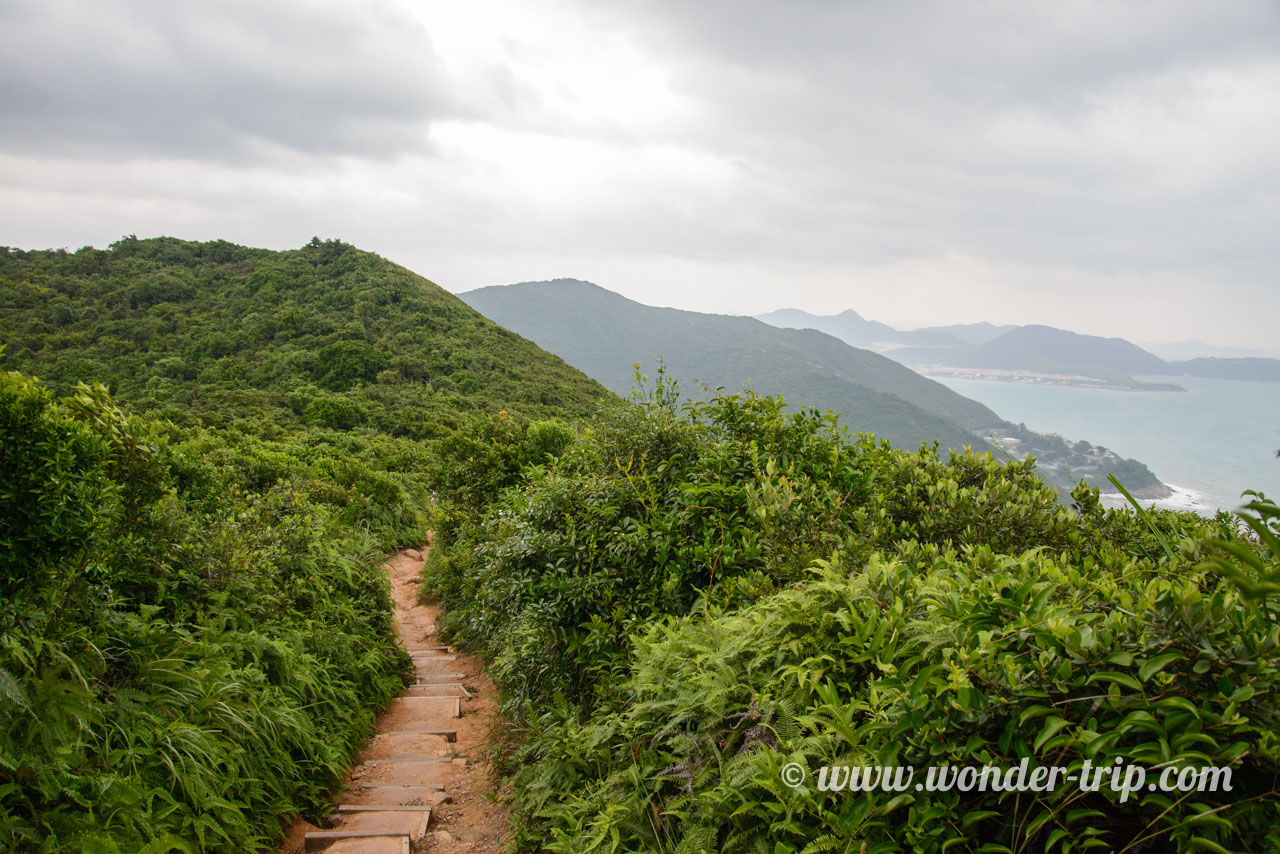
(791,138)
(977,51)
(882,115)
(226,80)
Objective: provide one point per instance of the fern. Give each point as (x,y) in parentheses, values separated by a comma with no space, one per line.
(12,692)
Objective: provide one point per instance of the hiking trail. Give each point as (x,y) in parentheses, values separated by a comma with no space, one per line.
(420,783)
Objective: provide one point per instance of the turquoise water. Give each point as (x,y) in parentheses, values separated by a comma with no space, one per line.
(1211,442)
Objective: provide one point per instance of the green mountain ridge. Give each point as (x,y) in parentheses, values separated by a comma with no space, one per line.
(605,335)
(217,333)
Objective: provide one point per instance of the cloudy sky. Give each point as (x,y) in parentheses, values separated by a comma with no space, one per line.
(1109,167)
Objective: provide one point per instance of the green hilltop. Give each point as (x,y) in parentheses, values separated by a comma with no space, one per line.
(218,333)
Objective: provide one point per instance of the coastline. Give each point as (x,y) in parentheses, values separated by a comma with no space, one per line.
(1208,446)
(1158,492)
(1178,498)
(1039,378)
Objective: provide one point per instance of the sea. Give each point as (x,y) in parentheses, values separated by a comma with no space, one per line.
(1208,444)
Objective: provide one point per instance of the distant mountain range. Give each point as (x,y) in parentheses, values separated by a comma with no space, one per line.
(972,334)
(605,335)
(852,328)
(1054,354)
(1182,351)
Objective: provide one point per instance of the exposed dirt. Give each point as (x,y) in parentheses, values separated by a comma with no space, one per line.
(468,814)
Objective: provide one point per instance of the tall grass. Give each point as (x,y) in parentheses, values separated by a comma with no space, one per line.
(183,664)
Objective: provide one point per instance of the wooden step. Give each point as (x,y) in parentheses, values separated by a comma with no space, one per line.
(457,702)
(384,808)
(370,845)
(396,796)
(446,734)
(447,689)
(318,840)
(428,649)
(405,761)
(458,685)
(435,787)
(412,822)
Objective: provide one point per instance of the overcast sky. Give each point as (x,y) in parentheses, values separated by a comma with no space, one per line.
(1108,167)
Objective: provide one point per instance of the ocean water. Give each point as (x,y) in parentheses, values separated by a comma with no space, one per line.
(1208,444)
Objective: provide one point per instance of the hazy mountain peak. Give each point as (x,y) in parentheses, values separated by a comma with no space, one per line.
(853,329)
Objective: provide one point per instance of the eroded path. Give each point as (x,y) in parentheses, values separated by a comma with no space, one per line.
(421,783)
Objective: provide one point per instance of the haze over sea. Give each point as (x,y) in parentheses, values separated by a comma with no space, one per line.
(1210,443)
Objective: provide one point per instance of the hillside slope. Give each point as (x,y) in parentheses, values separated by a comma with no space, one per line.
(970,333)
(605,335)
(324,334)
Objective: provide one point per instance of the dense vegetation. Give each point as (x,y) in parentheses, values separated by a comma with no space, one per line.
(183,663)
(194,623)
(692,596)
(267,341)
(327,363)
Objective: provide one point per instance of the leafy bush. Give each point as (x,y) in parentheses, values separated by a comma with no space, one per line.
(53,483)
(346,363)
(928,659)
(336,413)
(649,604)
(633,524)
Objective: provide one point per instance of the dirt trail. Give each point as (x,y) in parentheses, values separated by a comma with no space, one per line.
(420,784)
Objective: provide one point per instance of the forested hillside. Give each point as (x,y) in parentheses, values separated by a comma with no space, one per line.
(325,335)
(605,335)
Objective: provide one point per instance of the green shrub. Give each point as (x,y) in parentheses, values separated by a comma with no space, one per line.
(55,493)
(647,602)
(344,364)
(334,412)
(929,659)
